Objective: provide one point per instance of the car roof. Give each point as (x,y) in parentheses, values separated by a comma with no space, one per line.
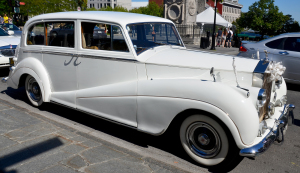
(122,18)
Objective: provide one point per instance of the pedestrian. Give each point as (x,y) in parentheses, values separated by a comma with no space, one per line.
(10,21)
(5,18)
(219,37)
(224,34)
(1,20)
(229,37)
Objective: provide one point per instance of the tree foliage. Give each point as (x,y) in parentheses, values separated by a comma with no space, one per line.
(263,16)
(36,7)
(4,8)
(290,25)
(151,9)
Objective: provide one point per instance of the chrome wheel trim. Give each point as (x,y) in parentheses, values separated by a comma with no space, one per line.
(203,140)
(34,90)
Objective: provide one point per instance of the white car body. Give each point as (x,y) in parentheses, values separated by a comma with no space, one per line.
(146,91)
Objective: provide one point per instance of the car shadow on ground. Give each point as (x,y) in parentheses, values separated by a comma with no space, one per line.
(293,87)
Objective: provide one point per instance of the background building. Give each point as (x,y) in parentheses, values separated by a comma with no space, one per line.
(106,3)
(229,9)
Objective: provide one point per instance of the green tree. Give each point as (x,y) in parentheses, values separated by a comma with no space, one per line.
(151,9)
(4,8)
(290,25)
(264,17)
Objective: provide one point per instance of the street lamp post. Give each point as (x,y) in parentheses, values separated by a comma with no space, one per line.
(214,34)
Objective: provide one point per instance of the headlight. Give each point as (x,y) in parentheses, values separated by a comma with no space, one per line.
(257,80)
(261,98)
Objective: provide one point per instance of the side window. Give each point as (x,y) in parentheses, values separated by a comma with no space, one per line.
(36,34)
(292,44)
(100,36)
(60,34)
(276,44)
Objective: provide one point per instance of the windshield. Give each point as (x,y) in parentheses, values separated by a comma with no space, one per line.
(11,27)
(3,33)
(148,35)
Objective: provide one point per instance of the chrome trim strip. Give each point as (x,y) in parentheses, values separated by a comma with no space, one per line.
(57,53)
(94,115)
(31,51)
(275,134)
(106,58)
(261,67)
(82,56)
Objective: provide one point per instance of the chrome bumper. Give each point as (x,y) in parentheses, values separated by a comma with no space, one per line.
(4,80)
(275,134)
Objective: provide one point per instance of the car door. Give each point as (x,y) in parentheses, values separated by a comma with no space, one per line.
(106,75)
(59,58)
(288,52)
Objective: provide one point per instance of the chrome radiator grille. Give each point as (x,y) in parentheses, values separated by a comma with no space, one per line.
(263,111)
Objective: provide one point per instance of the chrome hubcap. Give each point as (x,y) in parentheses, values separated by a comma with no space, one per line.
(34,90)
(203,140)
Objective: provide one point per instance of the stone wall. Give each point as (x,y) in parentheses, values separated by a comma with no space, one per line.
(183,11)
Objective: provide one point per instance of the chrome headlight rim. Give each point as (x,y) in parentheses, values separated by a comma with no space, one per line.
(261,98)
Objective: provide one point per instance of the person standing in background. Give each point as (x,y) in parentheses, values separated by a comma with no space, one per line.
(224,36)
(1,20)
(219,37)
(5,18)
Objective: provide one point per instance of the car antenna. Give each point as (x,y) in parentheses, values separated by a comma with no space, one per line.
(234,70)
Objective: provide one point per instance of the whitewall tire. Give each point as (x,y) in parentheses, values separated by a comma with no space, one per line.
(33,91)
(204,140)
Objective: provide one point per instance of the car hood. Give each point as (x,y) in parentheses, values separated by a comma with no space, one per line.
(199,59)
(9,40)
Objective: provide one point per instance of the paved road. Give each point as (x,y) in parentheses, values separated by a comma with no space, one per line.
(164,153)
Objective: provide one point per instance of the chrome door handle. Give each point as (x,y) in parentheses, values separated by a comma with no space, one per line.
(284,53)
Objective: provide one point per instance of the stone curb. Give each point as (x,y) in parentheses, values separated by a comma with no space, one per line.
(83,131)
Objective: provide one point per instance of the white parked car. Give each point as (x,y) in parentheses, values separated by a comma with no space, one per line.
(149,81)
(8,46)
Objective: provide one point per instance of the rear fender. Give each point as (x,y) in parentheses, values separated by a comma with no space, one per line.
(36,69)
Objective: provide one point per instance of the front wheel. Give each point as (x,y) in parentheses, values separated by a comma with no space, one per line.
(33,91)
(204,140)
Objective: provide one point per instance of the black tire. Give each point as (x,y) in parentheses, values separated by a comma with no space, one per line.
(33,91)
(206,141)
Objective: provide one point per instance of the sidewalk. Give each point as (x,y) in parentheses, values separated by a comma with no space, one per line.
(31,143)
(228,51)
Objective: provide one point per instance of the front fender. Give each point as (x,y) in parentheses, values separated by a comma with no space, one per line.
(172,96)
(36,69)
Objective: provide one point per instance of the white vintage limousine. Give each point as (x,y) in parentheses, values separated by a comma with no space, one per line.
(140,74)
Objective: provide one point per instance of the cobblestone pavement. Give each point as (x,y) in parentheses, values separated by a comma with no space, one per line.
(32,143)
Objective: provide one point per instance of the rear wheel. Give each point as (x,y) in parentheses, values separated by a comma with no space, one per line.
(204,140)
(33,91)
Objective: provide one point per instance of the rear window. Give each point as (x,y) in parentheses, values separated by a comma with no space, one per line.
(276,44)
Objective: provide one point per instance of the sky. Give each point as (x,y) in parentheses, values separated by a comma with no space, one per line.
(285,6)
(291,7)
